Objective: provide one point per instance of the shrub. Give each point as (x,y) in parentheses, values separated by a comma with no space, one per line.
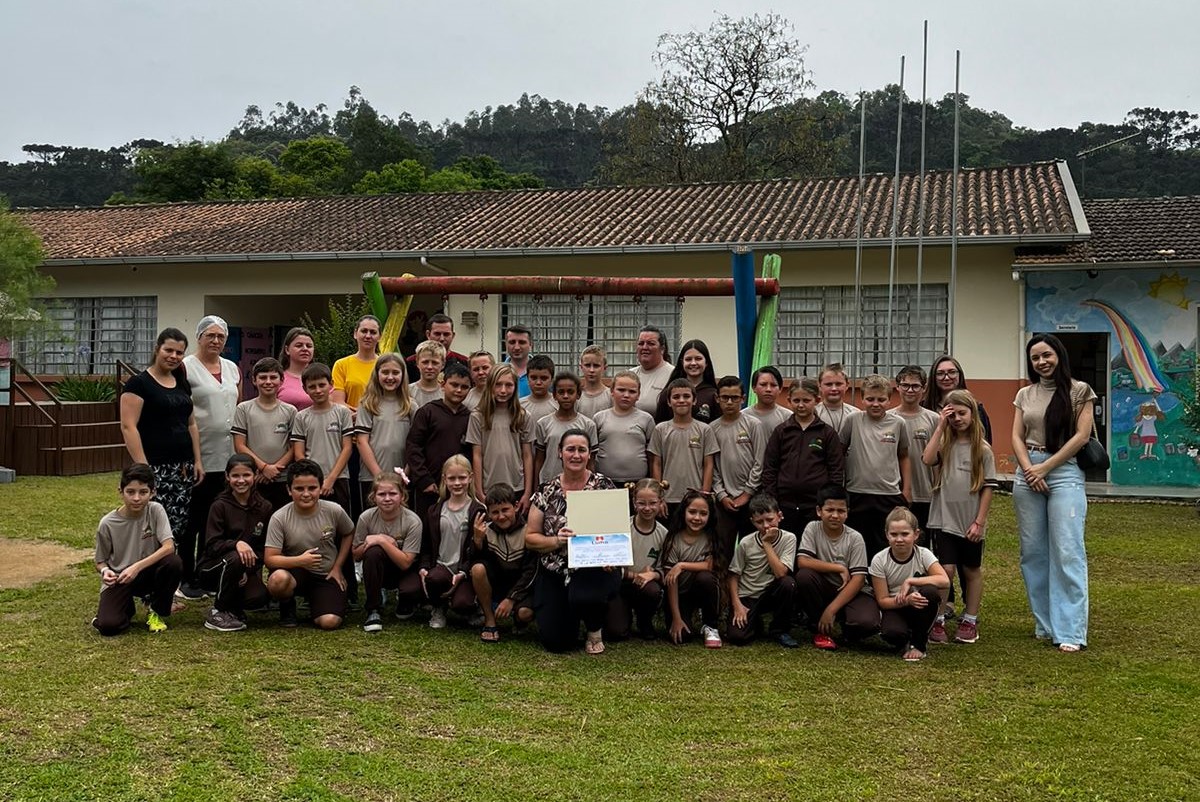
(80,388)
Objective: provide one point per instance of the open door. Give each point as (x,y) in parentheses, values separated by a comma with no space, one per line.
(1088,353)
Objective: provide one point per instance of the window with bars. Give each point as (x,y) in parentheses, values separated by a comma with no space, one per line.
(818,325)
(86,335)
(563,326)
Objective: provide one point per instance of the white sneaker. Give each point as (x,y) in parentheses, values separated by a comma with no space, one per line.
(712,638)
(437,619)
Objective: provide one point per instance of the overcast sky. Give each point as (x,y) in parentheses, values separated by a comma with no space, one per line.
(98,74)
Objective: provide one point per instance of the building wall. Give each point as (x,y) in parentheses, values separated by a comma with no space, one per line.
(1150,319)
(987,334)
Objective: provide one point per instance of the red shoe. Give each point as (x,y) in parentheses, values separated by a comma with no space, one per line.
(968,632)
(938,633)
(824,642)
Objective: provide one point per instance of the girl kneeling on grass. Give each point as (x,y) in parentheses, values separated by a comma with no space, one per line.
(962,496)
(688,564)
(234,537)
(908,582)
(135,555)
(641,592)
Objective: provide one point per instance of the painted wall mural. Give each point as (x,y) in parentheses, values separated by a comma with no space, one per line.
(1151,319)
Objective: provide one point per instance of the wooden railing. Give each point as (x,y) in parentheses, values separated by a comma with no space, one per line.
(120,369)
(16,366)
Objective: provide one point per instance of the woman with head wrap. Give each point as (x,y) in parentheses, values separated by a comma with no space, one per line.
(216,390)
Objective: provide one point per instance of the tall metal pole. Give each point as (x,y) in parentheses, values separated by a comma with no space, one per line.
(954,215)
(920,327)
(856,353)
(891,361)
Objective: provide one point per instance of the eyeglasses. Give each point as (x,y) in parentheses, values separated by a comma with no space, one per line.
(729,399)
(912,387)
(947,374)
(213,335)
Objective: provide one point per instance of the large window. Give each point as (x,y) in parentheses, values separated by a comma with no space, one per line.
(562,325)
(87,335)
(818,325)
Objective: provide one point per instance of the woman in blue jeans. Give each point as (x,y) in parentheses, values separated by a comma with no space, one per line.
(1053,421)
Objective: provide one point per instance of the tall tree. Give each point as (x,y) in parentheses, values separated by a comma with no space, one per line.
(21,279)
(724,81)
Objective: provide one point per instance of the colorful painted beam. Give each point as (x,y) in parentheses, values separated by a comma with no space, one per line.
(567,285)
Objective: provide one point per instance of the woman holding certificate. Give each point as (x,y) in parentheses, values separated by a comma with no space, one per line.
(562,597)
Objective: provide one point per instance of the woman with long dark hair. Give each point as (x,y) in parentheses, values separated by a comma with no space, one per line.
(945,376)
(695,365)
(1052,422)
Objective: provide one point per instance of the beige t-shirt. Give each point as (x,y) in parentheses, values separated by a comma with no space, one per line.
(322,432)
(322,529)
(405,529)
(840,418)
(646,546)
(621,442)
(420,396)
(741,447)
(266,430)
(954,506)
(538,408)
(387,433)
(589,405)
(501,447)
(919,428)
(771,420)
(121,541)
(697,551)
(548,434)
(751,565)
(682,451)
(894,573)
(872,454)
(846,549)
(653,382)
(1035,399)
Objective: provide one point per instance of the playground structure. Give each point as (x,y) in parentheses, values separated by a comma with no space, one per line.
(755,322)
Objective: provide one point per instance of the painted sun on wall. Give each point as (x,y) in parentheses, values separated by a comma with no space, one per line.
(1150,319)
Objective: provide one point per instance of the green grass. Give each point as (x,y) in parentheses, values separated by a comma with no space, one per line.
(417,714)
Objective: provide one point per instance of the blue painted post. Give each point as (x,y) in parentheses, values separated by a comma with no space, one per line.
(746,310)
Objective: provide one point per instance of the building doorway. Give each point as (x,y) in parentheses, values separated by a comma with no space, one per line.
(1088,353)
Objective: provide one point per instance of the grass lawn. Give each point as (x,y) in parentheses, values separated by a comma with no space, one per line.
(417,714)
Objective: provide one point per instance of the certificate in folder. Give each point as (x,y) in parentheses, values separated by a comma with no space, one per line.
(600,521)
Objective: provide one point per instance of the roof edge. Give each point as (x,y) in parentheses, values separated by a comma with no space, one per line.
(1064,173)
(615,250)
(1058,267)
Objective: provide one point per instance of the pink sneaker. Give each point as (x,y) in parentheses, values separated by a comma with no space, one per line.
(824,642)
(968,632)
(938,633)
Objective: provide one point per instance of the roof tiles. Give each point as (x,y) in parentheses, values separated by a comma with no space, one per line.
(1025,200)
(1129,230)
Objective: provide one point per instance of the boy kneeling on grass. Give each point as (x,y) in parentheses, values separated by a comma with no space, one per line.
(307,544)
(760,577)
(135,555)
(831,570)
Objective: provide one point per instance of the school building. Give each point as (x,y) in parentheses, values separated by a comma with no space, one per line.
(124,272)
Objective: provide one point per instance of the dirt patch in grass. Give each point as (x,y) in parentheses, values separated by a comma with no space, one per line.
(24,563)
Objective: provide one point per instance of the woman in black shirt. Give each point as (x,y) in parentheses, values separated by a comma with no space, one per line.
(159,429)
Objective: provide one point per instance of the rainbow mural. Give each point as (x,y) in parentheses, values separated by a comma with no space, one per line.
(1134,347)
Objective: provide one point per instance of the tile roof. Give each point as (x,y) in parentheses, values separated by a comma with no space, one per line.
(1023,201)
(1128,230)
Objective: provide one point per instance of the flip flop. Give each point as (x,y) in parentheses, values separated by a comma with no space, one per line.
(490,635)
(914,655)
(595,646)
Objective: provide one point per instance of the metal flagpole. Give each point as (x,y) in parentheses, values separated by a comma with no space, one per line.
(895,226)
(856,354)
(953,216)
(920,327)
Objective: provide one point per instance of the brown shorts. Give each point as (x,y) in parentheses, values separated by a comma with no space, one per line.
(323,595)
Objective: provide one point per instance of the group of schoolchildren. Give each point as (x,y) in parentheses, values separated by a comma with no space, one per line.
(718,493)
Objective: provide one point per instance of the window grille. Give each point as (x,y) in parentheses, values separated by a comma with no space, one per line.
(818,325)
(86,335)
(563,326)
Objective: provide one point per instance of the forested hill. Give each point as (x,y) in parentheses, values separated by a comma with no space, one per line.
(292,150)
